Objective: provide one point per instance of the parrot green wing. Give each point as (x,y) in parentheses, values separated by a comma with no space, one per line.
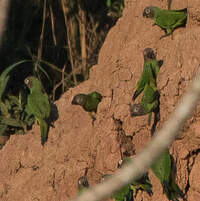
(170,19)
(149,100)
(162,167)
(144,79)
(125,194)
(38,105)
(93,99)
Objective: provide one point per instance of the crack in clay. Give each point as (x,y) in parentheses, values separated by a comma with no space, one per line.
(53,182)
(33,167)
(125,142)
(5,190)
(181,80)
(165,85)
(193,154)
(112,97)
(143,127)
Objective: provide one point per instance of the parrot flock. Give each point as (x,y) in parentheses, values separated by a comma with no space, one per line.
(168,20)
(38,105)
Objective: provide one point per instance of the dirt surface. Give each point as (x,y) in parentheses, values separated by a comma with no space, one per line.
(30,172)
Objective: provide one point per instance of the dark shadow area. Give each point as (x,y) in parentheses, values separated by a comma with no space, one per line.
(66,27)
(156,118)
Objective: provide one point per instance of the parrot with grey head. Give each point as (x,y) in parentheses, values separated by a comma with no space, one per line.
(142,183)
(38,105)
(124,194)
(162,168)
(83,184)
(148,84)
(89,102)
(168,20)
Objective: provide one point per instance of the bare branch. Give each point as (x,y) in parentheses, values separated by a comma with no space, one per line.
(161,140)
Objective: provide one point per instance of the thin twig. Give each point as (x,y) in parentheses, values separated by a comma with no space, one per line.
(161,140)
(65,13)
(53,25)
(63,79)
(40,48)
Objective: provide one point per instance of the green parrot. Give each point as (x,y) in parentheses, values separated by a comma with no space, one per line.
(124,194)
(83,184)
(166,19)
(150,72)
(38,105)
(142,182)
(148,84)
(89,102)
(162,169)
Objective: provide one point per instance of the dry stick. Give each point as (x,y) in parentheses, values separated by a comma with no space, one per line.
(82,23)
(65,13)
(63,78)
(159,143)
(53,25)
(4,6)
(39,56)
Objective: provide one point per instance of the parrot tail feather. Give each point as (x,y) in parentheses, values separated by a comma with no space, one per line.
(44,128)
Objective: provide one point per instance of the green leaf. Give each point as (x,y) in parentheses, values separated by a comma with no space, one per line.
(4,76)
(2,129)
(11,122)
(108,3)
(4,109)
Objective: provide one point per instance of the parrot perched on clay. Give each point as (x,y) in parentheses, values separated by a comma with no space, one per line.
(162,169)
(166,19)
(148,84)
(83,184)
(38,105)
(124,194)
(150,72)
(89,102)
(142,182)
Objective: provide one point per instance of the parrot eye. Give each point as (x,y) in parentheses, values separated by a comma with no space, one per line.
(136,109)
(148,11)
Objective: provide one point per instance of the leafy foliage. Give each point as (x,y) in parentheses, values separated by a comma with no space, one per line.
(13,118)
